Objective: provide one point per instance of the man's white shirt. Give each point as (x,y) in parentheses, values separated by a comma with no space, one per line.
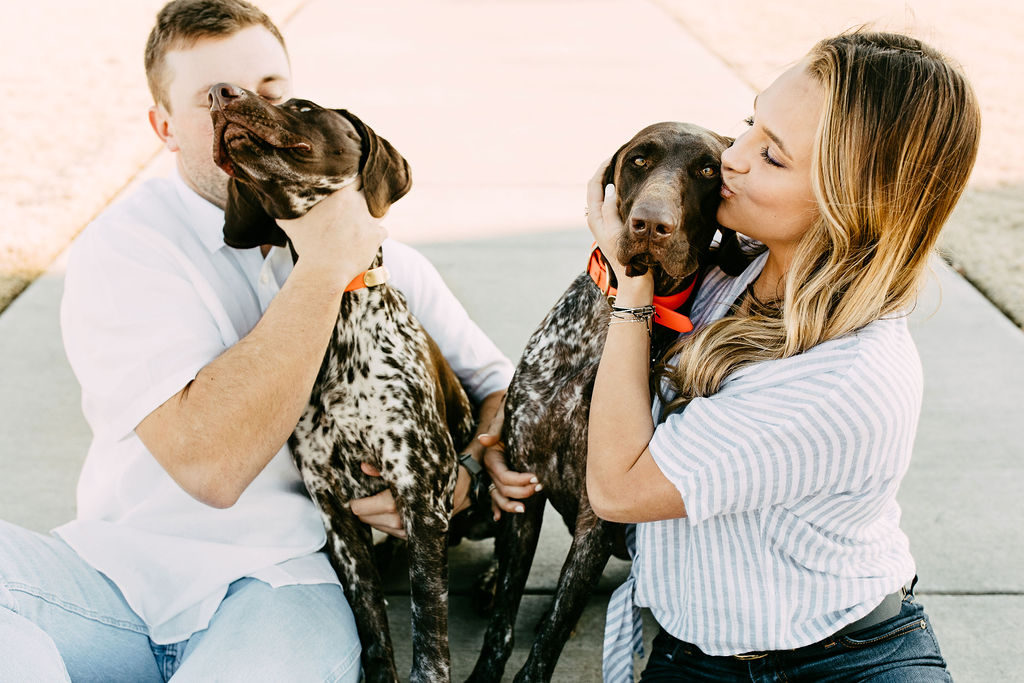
(152,295)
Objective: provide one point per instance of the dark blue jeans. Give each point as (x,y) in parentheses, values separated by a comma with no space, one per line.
(902,649)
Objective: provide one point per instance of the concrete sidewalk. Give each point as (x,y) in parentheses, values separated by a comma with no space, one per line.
(504,109)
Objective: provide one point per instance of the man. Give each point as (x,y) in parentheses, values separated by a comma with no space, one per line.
(195,550)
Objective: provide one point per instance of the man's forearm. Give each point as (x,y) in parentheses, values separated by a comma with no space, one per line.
(216,435)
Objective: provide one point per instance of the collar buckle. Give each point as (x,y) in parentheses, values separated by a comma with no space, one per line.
(369,278)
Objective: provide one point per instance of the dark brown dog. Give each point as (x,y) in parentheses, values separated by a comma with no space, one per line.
(667,180)
(384,395)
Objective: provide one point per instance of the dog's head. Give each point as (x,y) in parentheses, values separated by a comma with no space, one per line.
(285,158)
(667,179)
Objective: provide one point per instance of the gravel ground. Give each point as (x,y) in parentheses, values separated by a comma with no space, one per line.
(74,130)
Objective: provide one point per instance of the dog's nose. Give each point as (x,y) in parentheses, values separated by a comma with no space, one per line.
(654,225)
(222,93)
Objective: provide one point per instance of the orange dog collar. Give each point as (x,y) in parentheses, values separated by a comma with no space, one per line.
(665,307)
(369,278)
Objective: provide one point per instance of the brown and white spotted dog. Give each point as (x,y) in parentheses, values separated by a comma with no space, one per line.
(667,181)
(384,395)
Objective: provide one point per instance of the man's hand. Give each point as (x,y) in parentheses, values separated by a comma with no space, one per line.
(381,513)
(378,510)
(338,234)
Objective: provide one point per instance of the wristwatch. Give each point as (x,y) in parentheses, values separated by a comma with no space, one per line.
(479,480)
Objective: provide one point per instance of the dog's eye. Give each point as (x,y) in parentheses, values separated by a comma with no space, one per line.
(305,109)
(639,161)
(709,171)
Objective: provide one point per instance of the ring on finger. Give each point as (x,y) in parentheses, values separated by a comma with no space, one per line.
(491,487)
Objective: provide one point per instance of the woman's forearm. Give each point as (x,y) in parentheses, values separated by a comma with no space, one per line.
(619,464)
(620,412)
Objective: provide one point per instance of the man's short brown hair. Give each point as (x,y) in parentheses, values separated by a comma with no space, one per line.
(183,23)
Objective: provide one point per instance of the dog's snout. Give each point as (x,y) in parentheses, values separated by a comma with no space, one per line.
(222,93)
(655,226)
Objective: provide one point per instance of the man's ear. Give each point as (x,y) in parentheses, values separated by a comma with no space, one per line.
(160,120)
(385,172)
(246,223)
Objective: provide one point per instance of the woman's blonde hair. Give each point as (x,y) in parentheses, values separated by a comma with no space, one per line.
(893,150)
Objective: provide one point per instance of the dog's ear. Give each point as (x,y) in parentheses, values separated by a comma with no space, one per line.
(385,172)
(730,256)
(246,223)
(609,173)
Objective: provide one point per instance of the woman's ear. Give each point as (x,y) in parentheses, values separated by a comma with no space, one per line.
(246,222)
(386,176)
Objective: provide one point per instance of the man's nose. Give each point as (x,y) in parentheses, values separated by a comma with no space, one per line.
(223,93)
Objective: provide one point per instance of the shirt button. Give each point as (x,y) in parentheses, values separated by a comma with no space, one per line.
(263,278)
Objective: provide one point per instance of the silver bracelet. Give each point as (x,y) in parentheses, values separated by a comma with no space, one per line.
(640,314)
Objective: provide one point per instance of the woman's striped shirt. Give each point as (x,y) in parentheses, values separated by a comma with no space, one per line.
(789,475)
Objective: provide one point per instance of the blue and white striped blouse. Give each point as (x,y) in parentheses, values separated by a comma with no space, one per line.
(789,475)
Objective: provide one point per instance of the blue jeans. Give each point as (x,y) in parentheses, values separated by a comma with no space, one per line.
(900,650)
(62,620)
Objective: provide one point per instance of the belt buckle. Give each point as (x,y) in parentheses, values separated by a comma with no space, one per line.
(750,656)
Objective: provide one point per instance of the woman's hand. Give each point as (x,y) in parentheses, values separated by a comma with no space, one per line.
(510,487)
(603,218)
(604,223)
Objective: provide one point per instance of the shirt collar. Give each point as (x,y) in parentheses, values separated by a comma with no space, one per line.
(206,219)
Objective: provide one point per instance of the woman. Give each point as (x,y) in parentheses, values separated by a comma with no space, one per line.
(770,541)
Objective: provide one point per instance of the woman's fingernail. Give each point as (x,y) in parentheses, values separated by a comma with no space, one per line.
(533,480)
(538,487)
(520,508)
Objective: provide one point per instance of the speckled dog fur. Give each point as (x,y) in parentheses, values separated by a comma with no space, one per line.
(384,394)
(548,402)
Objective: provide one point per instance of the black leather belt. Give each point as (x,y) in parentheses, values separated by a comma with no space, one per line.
(889,608)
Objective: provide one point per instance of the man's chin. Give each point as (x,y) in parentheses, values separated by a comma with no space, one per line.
(210,183)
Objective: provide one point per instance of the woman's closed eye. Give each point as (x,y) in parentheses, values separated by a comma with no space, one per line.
(768,158)
(771,161)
